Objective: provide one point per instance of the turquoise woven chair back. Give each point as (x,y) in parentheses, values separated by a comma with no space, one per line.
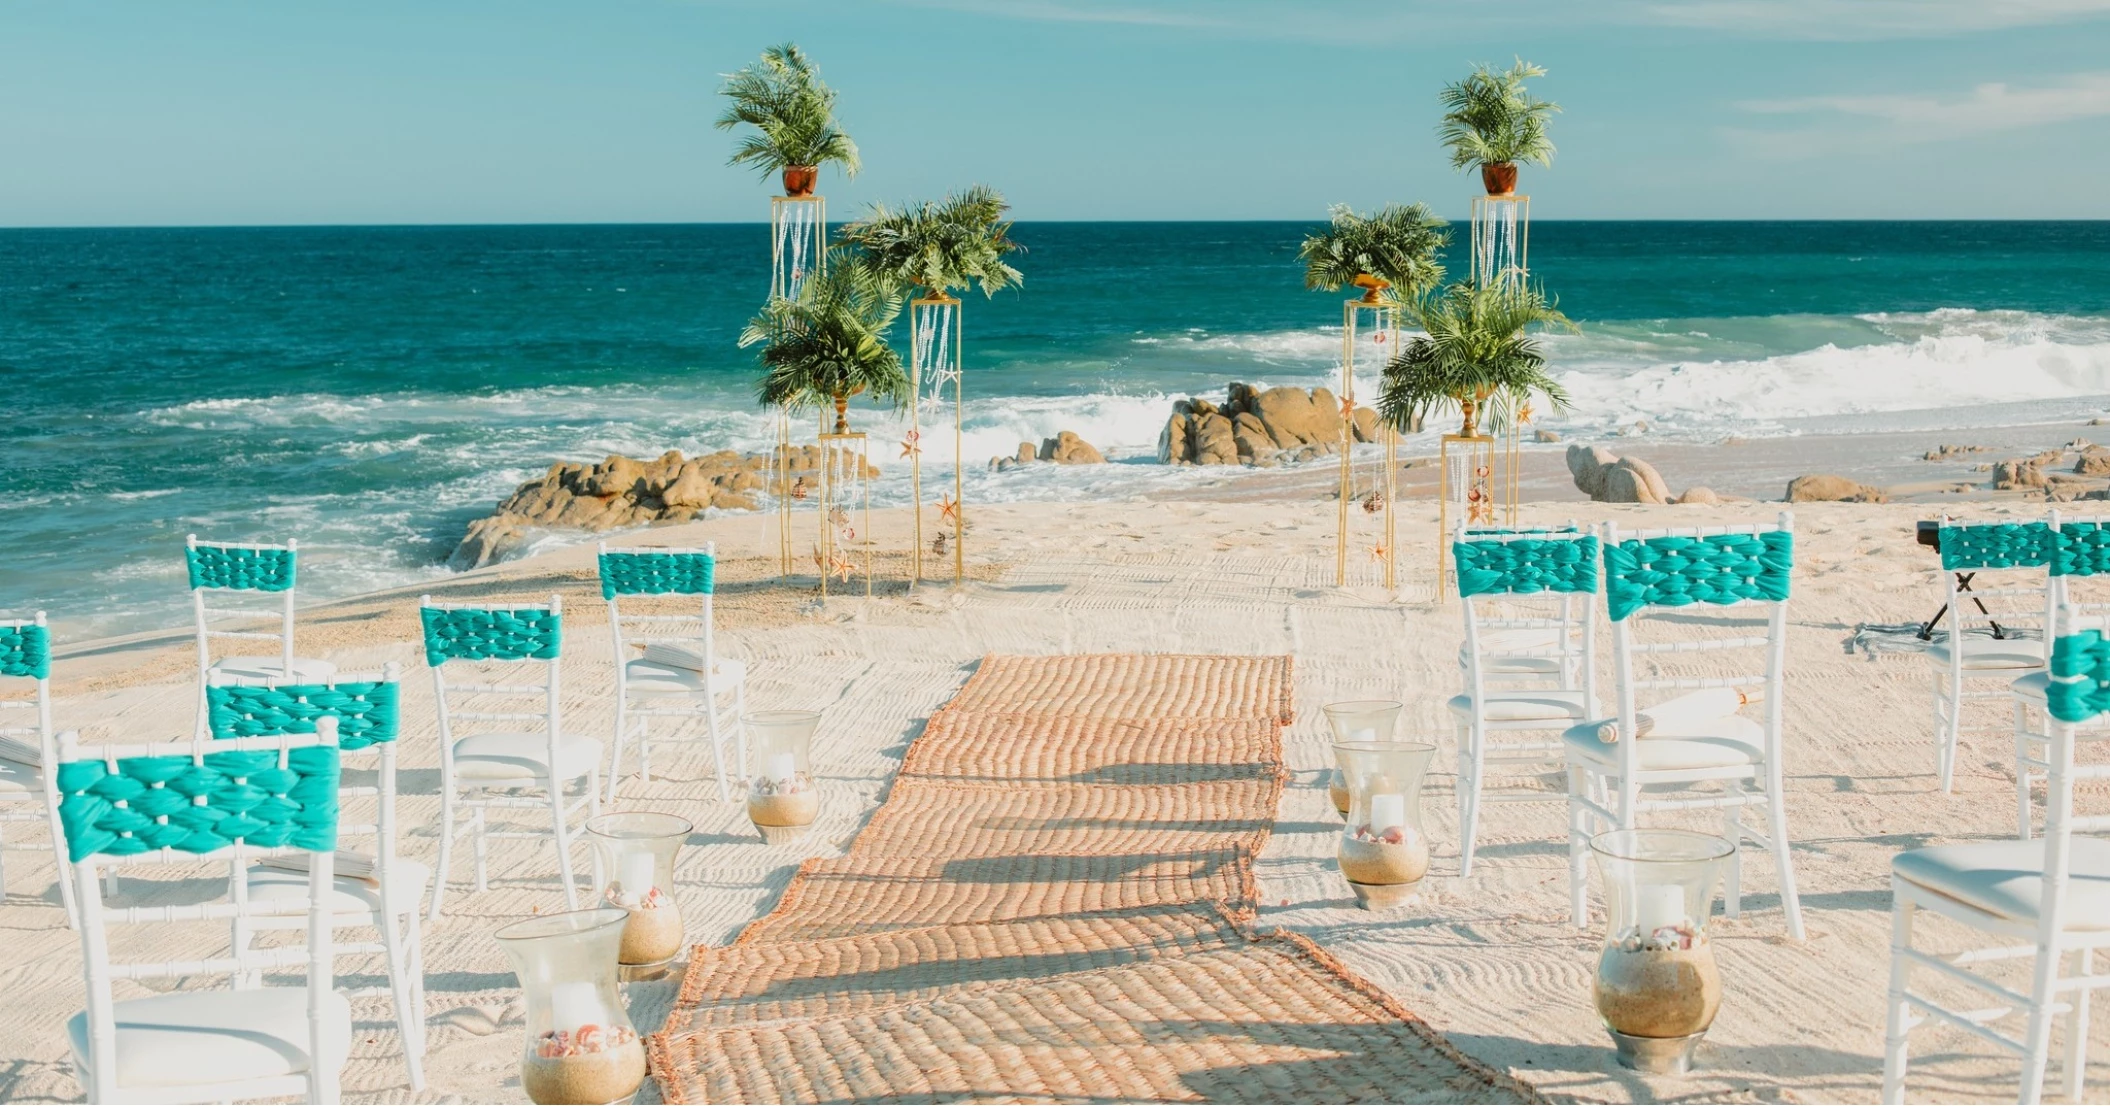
(368,712)
(686,572)
(1526,565)
(238,568)
(2080,548)
(2080,677)
(474,634)
(25,650)
(1992,545)
(1679,570)
(148,803)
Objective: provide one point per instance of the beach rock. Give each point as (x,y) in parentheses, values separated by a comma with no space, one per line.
(1699,497)
(1545,436)
(1026,453)
(1828,488)
(1587,464)
(1952,452)
(1262,428)
(2095,461)
(2019,473)
(1632,480)
(1066,448)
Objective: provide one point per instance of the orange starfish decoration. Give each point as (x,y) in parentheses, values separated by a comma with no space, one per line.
(1380,554)
(910,446)
(839,566)
(1347,407)
(948,508)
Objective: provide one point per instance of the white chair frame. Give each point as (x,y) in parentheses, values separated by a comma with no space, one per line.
(43,805)
(97,1071)
(203,614)
(397,923)
(1566,667)
(2031,734)
(1616,799)
(2047,939)
(630,630)
(1952,682)
(478,796)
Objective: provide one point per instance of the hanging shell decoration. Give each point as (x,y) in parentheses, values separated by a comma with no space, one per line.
(912,445)
(1373,503)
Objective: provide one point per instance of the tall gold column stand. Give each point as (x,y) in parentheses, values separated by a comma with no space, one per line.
(845,509)
(1501,239)
(786,488)
(935,356)
(1376,494)
(798,242)
(1467,494)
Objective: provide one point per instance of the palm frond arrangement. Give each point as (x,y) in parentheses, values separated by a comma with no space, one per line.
(940,246)
(829,343)
(793,113)
(1476,357)
(1397,248)
(1491,119)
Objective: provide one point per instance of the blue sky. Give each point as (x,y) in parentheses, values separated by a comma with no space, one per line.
(483,111)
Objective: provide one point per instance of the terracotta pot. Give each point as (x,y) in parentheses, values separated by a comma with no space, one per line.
(1373,285)
(842,418)
(1500,178)
(799,179)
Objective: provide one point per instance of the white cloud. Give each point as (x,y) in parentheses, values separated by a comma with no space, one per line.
(1866,19)
(1846,120)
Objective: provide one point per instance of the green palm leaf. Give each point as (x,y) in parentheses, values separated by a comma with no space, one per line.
(1490,119)
(1399,245)
(792,111)
(940,246)
(829,343)
(1475,357)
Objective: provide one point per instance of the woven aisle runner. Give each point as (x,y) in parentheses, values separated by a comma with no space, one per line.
(1054,904)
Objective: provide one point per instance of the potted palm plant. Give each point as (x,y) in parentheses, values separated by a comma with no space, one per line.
(829,343)
(1390,254)
(1492,121)
(793,114)
(1476,356)
(940,246)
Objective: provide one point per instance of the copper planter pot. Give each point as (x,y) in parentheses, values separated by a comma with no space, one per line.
(1500,178)
(799,179)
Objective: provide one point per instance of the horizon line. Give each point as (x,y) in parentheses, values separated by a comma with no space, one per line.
(1022,222)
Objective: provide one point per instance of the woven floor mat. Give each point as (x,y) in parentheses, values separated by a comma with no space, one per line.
(1132,685)
(1259,1019)
(777,980)
(844,896)
(925,818)
(971,746)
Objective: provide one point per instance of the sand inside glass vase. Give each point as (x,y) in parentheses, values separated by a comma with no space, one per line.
(1400,855)
(1659,987)
(589,1066)
(792,801)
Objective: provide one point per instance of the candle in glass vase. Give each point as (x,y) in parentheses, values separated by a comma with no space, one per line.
(635,874)
(1658,906)
(782,769)
(576,1003)
(1387,812)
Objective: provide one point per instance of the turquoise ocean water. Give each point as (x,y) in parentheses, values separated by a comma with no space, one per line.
(370,390)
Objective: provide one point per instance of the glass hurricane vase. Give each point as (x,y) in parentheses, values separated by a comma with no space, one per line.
(580,1044)
(1356,720)
(1384,851)
(1657,985)
(633,855)
(782,800)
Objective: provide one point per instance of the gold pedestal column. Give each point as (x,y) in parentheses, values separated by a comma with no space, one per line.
(1466,464)
(798,242)
(935,355)
(845,509)
(1384,327)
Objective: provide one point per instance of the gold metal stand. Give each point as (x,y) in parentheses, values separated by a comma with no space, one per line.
(798,242)
(935,354)
(777,477)
(1384,327)
(1467,472)
(846,509)
(1501,239)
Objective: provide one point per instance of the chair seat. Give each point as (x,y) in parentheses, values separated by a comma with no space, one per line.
(2034,686)
(1980,653)
(351,896)
(19,781)
(1719,743)
(643,677)
(186,1038)
(2005,878)
(1525,706)
(1518,640)
(522,757)
(307,670)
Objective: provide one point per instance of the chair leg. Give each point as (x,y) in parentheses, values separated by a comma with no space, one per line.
(1783,859)
(480,845)
(1941,727)
(740,721)
(416,959)
(439,872)
(399,986)
(615,756)
(2024,815)
(1733,830)
(1952,736)
(710,725)
(2073,1065)
(1476,772)
(2036,1041)
(1899,1022)
(1578,837)
(563,841)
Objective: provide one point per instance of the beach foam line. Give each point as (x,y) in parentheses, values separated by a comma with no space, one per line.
(1054,903)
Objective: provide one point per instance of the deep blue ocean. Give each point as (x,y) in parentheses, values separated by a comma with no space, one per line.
(369,390)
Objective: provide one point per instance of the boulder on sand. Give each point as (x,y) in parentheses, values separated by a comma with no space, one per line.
(1609,478)
(1066,448)
(1830,488)
(1262,428)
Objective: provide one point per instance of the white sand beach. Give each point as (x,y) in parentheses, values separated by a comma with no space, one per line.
(1491,962)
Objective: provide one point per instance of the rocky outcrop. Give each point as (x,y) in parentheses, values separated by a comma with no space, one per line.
(1828,488)
(623,491)
(1953,452)
(2094,461)
(1065,448)
(1609,478)
(1261,428)
(1697,496)
(2017,474)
